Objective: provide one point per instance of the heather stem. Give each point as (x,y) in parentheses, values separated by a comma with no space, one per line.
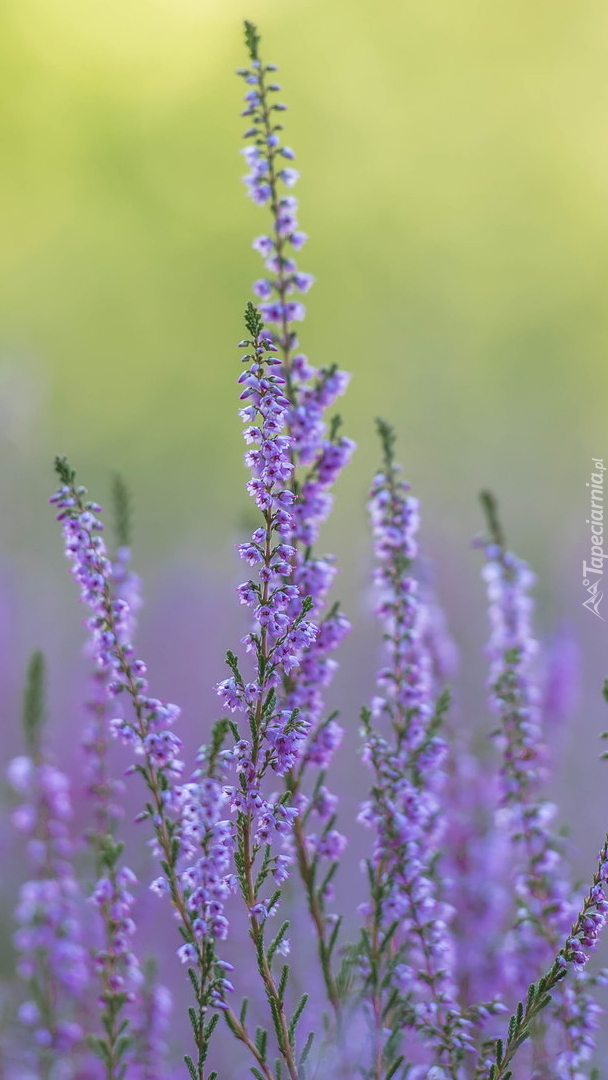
(93,571)
(51,958)
(269,129)
(116,963)
(114,1040)
(307,873)
(406,949)
(257,936)
(309,445)
(584,931)
(170,866)
(544,896)
(246,820)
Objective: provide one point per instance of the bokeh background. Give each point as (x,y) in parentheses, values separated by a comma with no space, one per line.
(454,160)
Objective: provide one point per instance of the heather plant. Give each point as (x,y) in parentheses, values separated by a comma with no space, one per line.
(52,959)
(468,954)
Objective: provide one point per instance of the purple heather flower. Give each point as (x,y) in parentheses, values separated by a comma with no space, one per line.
(561,678)
(207,843)
(282,635)
(545,904)
(403,809)
(52,958)
(283,312)
(149,1026)
(264,245)
(117,964)
(322,747)
(192,841)
(477,863)
(514,699)
(280,638)
(187,954)
(321,454)
(263,288)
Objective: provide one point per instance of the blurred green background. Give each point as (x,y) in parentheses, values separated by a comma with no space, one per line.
(454,159)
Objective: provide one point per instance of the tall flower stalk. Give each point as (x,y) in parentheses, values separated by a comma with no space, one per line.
(273,738)
(407,951)
(192,841)
(545,904)
(115,962)
(125,1037)
(571,957)
(150,1026)
(318,452)
(52,959)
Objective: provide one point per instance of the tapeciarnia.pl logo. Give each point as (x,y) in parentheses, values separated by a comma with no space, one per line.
(596,521)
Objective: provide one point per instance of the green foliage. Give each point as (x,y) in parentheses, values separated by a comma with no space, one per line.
(490,508)
(272,948)
(261,1042)
(393,1068)
(299,1009)
(335,423)
(537,999)
(121,504)
(66,474)
(283,981)
(194,1023)
(233,664)
(110,851)
(252,40)
(190,1066)
(387,441)
(307,1047)
(210,1028)
(253,321)
(32,715)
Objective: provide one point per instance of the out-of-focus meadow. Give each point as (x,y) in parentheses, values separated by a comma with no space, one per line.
(454,185)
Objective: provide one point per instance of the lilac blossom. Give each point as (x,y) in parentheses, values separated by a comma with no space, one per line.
(52,959)
(116,963)
(545,903)
(319,452)
(309,391)
(101,790)
(572,956)
(404,809)
(477,862)
(437,639)
(118,967)
(476,854)
(271,738)
(561,678)
(191,840)
(150,1026)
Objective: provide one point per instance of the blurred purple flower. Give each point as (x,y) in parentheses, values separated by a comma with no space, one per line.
(403,808)
(52,958)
